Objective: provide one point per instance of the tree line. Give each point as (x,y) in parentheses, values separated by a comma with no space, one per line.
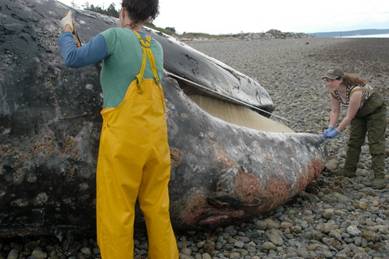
(112,11)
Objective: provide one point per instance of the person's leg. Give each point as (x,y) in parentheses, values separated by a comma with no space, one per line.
(119,174)
(376,125)
(154,203)
(356,140)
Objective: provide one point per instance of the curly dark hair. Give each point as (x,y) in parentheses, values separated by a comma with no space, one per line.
(141,10)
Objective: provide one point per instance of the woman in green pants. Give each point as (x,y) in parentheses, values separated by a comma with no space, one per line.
(365,113)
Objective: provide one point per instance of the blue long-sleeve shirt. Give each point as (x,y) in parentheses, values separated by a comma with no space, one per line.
(121,55)
(91,53)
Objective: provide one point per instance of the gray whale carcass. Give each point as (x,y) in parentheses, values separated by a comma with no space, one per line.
(50,124)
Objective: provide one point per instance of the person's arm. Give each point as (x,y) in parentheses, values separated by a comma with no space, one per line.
(335,110)
(91,53)
(353,107)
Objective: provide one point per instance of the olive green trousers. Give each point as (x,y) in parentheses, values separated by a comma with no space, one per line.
(370,119)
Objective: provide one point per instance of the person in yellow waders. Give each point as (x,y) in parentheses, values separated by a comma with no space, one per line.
(134,159)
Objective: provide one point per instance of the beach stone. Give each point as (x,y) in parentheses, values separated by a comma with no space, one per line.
(219,245)
(270,223)
(186,251)
(286,225)
(235,255)
(326,227)
(362,204)
(261,224)
(303,224)
(328,213)
(239,244)
(230,230)
(335,197)
(363,172)
(291,212)
(334,243)
(53,254)
(358,241)
(86,251)
(332,165)
(184,256)
(200,244)
(326,253)
(252,249)
(380,228)
(209,246)
(244,239)
(38,254)
(353,230)
(301,251)
(342,255)
(13,254)
(268,246)
(275,236)
(361,255)
(313,234)
(336,233)
(370,235)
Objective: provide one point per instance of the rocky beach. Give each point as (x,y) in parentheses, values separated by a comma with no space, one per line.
(336,217)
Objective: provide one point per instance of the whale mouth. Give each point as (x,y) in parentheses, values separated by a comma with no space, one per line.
(216,217)
(230,111)
(225,209)
(238,114)
(222,202)
(225,201)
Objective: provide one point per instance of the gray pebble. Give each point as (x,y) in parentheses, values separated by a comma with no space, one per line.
(268,246)
(353,230)
(38,254)
(13,254)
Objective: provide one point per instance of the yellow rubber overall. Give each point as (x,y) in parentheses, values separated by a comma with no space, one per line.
(134,163)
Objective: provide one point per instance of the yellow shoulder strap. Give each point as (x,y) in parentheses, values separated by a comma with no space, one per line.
(146,52)
(144,45)
(153,66)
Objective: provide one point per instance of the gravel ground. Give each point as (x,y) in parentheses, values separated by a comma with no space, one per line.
(335,217)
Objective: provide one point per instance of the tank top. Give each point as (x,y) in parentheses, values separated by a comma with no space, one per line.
(366,89)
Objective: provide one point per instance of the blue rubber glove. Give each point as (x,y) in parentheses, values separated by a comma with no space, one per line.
(332,133)
(327,130)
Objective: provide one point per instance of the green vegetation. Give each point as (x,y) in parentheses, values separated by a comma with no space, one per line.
(167,30)
(111,11)
(203,35)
